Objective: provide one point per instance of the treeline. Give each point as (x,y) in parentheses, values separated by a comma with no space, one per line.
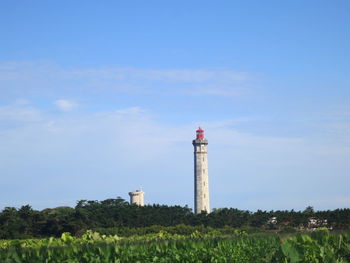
(118,216)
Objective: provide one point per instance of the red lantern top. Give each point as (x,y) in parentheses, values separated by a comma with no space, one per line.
(200,133)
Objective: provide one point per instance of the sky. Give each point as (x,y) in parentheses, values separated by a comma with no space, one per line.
(99,98)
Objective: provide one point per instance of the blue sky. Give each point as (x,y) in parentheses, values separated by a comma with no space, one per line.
(100,98)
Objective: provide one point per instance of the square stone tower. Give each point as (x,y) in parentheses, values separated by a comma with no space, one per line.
(201,182)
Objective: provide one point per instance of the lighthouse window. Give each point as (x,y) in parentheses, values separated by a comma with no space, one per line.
(203,183)
(203,170)
(204,195)
(203,159)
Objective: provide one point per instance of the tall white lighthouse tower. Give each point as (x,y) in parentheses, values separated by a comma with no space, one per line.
(201,183)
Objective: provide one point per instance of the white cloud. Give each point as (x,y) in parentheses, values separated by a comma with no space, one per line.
(66,105)
(22,101)
(19,114)
(39,78)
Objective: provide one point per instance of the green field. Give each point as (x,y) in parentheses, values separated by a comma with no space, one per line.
(320,246)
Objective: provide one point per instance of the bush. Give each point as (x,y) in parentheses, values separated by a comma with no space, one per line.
(288,230)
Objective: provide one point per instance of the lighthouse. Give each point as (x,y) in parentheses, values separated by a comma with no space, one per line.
(201,183)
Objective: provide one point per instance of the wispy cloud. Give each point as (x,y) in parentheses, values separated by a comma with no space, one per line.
(21,78)
(16,114)
(66,105)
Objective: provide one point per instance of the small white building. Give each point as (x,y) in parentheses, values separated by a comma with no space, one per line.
(272,221)
(315,223)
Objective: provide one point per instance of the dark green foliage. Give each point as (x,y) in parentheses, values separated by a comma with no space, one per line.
(119,216)
(178,230)
(288,230)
